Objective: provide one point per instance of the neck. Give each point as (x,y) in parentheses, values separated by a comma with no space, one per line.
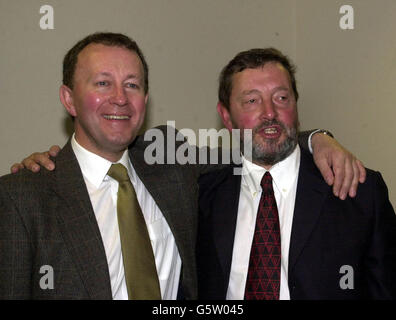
(110,155)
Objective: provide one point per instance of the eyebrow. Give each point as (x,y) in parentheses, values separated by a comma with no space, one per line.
(247,92)
(107,74)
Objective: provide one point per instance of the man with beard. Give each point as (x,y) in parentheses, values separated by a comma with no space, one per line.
(277,231)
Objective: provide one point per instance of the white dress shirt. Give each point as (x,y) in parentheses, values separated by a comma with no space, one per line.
(284,180)
(102,190)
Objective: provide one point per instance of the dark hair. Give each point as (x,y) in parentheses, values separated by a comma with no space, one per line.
(253,58)
(105,38)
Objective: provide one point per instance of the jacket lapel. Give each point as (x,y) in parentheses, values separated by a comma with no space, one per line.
(312,191)
(79,227)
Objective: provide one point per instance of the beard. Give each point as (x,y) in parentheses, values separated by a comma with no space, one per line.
(270,151)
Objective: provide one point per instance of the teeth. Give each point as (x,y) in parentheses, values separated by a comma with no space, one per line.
(114,117)
(270,130)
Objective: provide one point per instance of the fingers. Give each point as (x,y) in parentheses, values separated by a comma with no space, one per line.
(325,170)
(35,160)
(348,174)
(339,174)
(16,167)
(355,181)
(338,166)
(54,150)
(30,163)
(346,182)
(362,171)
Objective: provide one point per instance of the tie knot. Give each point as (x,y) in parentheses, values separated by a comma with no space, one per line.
(118,172)
(266,181)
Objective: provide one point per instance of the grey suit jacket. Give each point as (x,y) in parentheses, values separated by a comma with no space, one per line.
(46,219)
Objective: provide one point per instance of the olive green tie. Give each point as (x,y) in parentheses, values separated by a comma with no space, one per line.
(139,264)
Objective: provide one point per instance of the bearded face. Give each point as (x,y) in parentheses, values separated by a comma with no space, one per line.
(262,99)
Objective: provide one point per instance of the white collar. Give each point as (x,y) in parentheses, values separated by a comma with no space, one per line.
(283,173)
(93,167)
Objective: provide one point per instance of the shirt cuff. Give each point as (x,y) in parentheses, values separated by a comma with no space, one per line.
(310,140)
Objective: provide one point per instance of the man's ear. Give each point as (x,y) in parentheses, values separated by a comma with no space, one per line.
(66,97)
(224,114)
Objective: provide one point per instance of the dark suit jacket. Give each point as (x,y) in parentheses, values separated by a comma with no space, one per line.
(46,218)
(327,233)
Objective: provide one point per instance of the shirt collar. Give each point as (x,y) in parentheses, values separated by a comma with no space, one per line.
(283,173)
(93,167)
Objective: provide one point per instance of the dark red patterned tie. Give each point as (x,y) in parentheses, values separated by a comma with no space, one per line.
(263,280)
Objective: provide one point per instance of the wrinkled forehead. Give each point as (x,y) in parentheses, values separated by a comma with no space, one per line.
(268,72)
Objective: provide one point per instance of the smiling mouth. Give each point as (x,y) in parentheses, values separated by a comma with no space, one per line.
(271,130)
(115,117)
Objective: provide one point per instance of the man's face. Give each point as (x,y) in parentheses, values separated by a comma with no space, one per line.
(108,100)
(262,99)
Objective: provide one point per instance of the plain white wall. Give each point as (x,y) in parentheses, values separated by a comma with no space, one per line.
(346,78)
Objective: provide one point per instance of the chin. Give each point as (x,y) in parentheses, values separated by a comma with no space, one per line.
(270,145)
(276,149)
(121,141)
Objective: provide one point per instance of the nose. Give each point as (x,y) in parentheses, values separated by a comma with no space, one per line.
(119,96)
(268,110)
